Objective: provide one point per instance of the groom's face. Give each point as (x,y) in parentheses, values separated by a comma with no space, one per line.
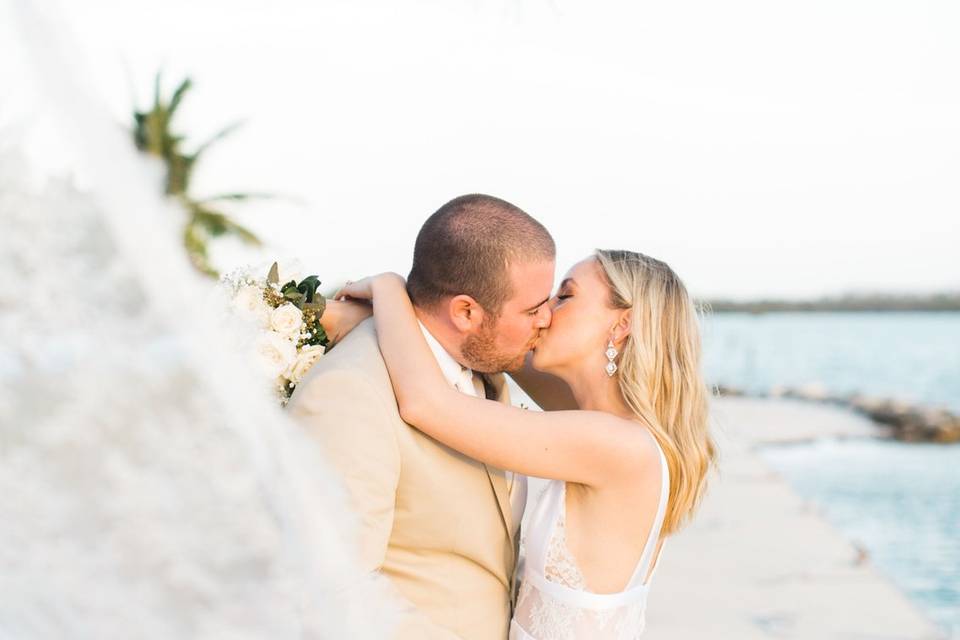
(502,343)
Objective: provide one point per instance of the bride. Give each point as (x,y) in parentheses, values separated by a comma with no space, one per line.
(623,435)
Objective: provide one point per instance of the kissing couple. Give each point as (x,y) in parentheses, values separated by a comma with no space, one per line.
(412,409)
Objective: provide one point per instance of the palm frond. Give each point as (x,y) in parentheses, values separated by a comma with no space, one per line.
(220,135)
(235,197)
(157,81)
(153,133)
(178,95)
(195,242)
(243,233)
(216,224)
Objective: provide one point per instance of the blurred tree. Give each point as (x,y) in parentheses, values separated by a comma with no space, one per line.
(153,133)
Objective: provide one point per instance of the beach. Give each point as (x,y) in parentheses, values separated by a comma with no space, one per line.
(761,562)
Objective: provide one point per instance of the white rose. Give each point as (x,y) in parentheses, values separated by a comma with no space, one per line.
(276,353)
(307,358)
(286,320)
(249,301)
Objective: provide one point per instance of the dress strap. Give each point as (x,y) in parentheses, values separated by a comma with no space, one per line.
(643,567)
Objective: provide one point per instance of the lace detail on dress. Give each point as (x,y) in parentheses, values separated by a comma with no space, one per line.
(546,617)
(561,567)
(551,618)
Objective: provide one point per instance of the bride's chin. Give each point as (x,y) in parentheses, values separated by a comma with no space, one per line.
(538,362)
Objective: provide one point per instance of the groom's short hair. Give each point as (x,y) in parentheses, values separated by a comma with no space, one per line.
(466,247)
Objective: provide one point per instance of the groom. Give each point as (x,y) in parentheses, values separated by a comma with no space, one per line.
(441,526)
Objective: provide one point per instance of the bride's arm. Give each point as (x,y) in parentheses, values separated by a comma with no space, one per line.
(548,391)
(588,447)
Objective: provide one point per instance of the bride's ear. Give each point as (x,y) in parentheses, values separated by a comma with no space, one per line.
(465,313)
(622,328)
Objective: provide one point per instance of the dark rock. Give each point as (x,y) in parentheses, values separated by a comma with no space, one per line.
(912,423)
(729,392)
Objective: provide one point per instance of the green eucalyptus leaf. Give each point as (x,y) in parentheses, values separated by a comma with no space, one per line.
(274,276)
(295,297)
(308,287)
(320,337)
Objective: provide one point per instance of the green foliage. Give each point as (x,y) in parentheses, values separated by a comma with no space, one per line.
(153,133)
(308,287)
(304,296)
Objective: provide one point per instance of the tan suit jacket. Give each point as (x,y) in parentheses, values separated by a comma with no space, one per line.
(435,522)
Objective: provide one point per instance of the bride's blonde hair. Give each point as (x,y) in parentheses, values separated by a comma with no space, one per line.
(659,372)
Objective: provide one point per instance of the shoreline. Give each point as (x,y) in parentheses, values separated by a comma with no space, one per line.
(904,421)
(759,561)
(937,303)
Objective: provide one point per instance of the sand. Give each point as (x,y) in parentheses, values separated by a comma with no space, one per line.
(759,561)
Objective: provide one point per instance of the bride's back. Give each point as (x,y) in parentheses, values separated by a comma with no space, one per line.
(587,577)
(606,528)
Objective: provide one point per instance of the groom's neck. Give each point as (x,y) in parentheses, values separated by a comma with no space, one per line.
(443,331)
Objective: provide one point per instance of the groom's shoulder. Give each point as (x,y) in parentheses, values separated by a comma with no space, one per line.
(359,344)
(350,385)
(356,355)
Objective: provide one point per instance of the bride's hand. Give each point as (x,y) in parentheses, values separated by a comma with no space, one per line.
(341,316)
(363,289)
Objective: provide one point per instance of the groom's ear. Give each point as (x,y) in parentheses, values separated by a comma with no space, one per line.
(465,313)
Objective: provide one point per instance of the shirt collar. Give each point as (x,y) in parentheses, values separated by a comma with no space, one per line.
(451,368)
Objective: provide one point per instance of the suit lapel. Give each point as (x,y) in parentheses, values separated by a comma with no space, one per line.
(495,387)
(498,482)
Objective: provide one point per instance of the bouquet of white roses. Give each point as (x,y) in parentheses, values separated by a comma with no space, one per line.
(291,338)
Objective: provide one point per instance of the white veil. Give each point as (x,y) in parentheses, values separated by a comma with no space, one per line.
(149,487)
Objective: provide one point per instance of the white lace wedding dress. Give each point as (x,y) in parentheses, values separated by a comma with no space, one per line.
(553,603)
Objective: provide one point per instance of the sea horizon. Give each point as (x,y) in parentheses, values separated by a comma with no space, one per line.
(908,356)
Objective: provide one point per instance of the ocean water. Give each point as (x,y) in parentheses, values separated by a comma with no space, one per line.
(903,355)
(899,501)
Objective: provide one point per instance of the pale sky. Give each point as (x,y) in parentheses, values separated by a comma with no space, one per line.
(759,147)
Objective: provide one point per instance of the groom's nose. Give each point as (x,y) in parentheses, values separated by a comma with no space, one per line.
(544,317)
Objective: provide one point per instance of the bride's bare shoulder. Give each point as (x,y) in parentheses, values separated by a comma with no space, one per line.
(627,445)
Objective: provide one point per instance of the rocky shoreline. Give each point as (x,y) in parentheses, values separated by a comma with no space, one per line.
(902,421)
(878,303)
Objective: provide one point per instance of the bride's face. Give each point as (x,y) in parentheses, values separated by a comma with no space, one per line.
(581,323)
